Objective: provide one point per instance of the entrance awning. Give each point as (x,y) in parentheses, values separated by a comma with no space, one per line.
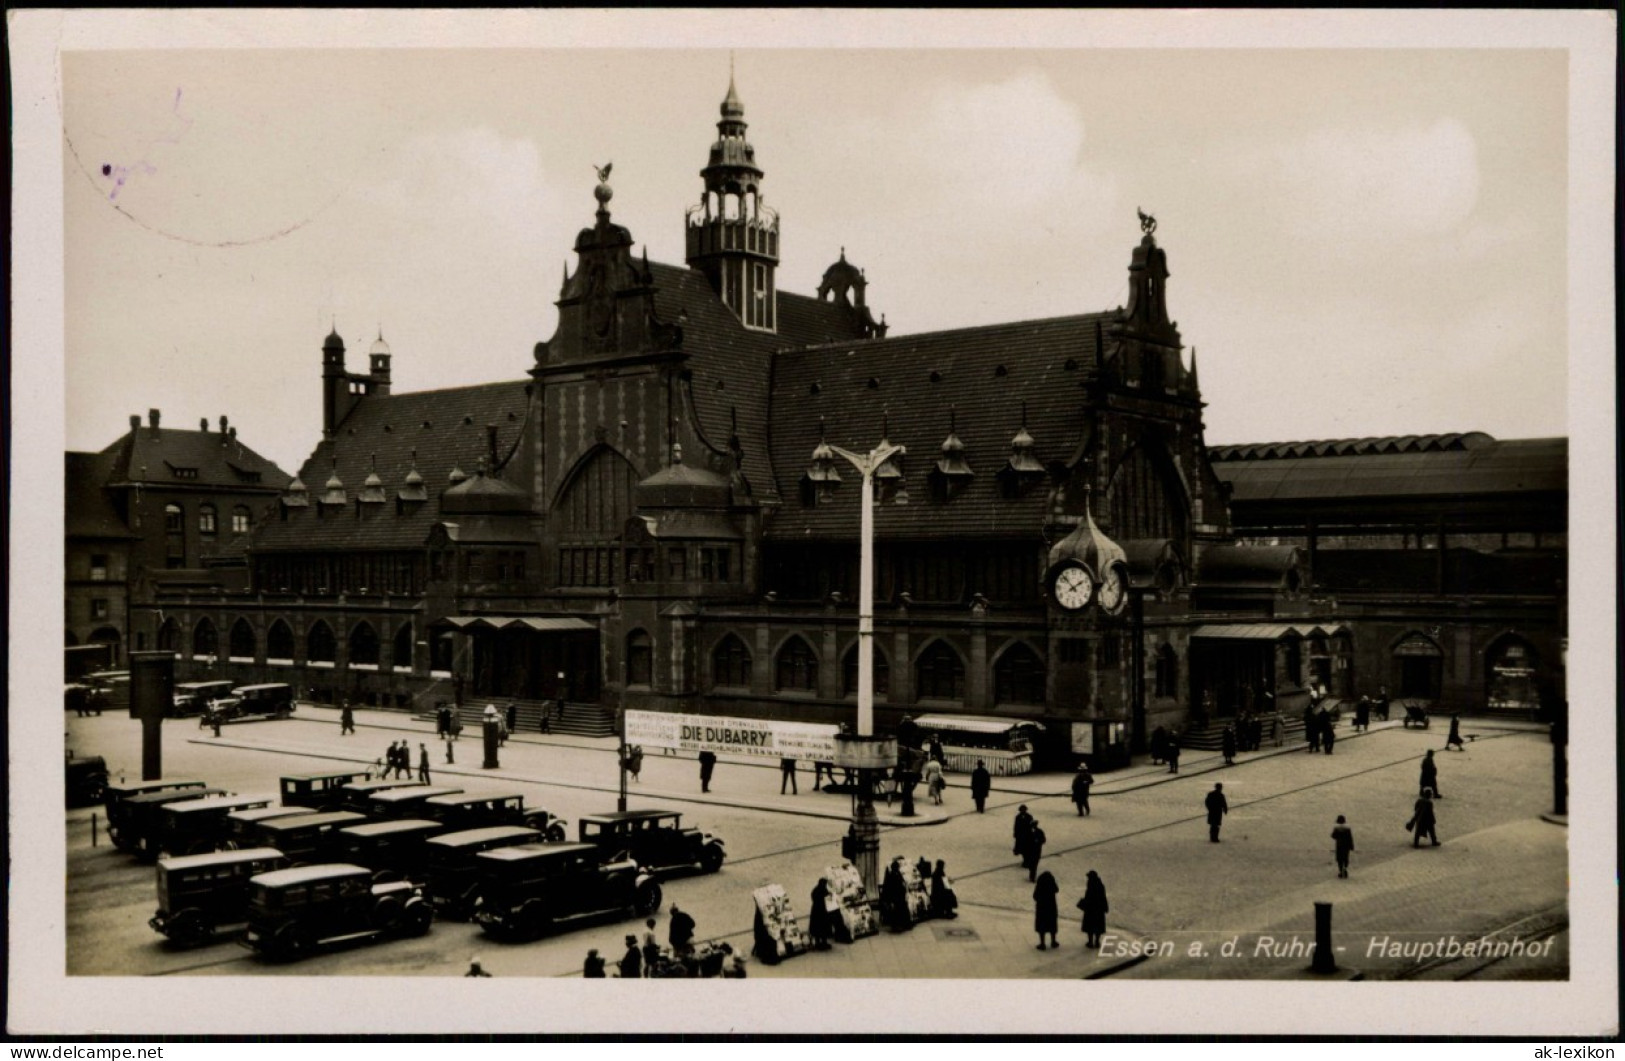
(504,622)
(1263,631)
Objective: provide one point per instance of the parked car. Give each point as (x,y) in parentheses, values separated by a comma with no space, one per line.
(307,838)
(316,791)
(115,796)
(108,690)
(470,810)
(656,839)
(449,866)
(291,912)
(243,826)
(529,890)
(198,826)
(357,795)
(192,698)
(136,825)
(271,700)
(393,850)
(404,802)
(202,896)
(85,780)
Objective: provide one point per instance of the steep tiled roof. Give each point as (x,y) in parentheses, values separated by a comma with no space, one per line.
(205,458)
(986,373)
(1352,447)
(1281,472)
(89,509)
(729,363)
(445,427)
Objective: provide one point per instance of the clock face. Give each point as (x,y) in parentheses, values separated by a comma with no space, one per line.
(1073,588)
(1113,591)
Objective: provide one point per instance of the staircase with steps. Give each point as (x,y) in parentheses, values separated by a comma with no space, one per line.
(579,720)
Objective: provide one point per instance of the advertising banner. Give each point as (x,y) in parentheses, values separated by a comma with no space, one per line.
(736,736)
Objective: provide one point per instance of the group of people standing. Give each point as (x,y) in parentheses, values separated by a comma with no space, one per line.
(397,761)
(1047,914)
(895,911)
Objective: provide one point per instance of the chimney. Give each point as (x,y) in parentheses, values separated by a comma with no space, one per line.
(203,425)
(222,425)
(135,421)
(152,418)
(233,434)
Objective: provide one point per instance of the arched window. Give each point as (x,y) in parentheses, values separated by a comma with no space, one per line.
(320,644)
(598,499)
(796,669)
(169,636)
(174,520)
(174,536)
(1167,671)
(205,640)
(849,672)
(242,640)
(403,647)
(1018,677)
(939,673)
(730,663)
(206,523)
(363,645)
(240,520)
(639,658)
(279,642)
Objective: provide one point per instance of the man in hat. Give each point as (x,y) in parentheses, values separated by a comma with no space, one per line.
(1217,808)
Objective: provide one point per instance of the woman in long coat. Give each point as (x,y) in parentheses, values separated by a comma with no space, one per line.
(944,902)
(1033,851)
(894,899)
(1094,907)
(1046,917)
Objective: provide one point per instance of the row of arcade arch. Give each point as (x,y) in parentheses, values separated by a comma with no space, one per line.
(321,643)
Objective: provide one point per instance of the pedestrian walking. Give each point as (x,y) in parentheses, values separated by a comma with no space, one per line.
(423,764)
(1035,850)
(1081,782)
(1278,729)
(681,934)
(1328,733)
(944,903)
(787,776)
(593,967)
(475,968)
(1342,844)
(631,963)
(346,719)
(1094,907)
(1382,703)
(651,947)
(456,724)
(1159,746)
(1217,808)
(1228,741)
(1429,781)
(1311,728)
(450,759)
(1046,912)
(936,749)
(708,764)
(1022,829)
(634,762)
(981,783)
(1171,750)
(819,928)
(934,781)
(403,760)
(1362,714)
(214,721)
(1424,820)
(1455,735)
(823,771)
(442,720)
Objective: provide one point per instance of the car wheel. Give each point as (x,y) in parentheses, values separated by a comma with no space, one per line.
(188,928)
(417,917)
(647,900)
(95,790)
(290,943)
(711,858)
(386,913)
(556,833)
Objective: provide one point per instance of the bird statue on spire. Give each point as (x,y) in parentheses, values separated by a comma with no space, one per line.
(603,171)
(1148,224)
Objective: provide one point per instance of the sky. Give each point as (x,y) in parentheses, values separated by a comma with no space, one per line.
(1360,241)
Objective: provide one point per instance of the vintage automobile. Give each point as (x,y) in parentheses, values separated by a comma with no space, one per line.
(85,779)
(529,890)
(133,820)
(306,838)
(197,826)
(202,896)
(243,826)
(656,839)
(193,698)
(406,801)
(470,810)
(316,791)
(113,796)
(449,866)
(107,690)
(357,795)
(293,911)
(393,850)
(271,700)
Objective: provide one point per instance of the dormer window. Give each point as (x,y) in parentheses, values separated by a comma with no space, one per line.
(182,473)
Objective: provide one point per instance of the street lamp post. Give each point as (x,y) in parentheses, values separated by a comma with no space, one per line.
(620,801)
(863,750)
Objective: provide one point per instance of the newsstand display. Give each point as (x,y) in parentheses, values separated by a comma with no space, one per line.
(854,915)
(778,936)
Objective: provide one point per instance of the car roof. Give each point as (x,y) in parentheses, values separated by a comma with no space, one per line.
(526,852)
(395,795)
(137,788)
(163,796)
(630,815)
(479,836)
(378,784)
(321,818)
(260,814)
(218,803)
(199,685)
(453,799)
(280,878)
(219,858)
(404,825)
(352,774)
(263,685)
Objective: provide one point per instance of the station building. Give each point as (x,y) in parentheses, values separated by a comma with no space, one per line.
(654,514)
